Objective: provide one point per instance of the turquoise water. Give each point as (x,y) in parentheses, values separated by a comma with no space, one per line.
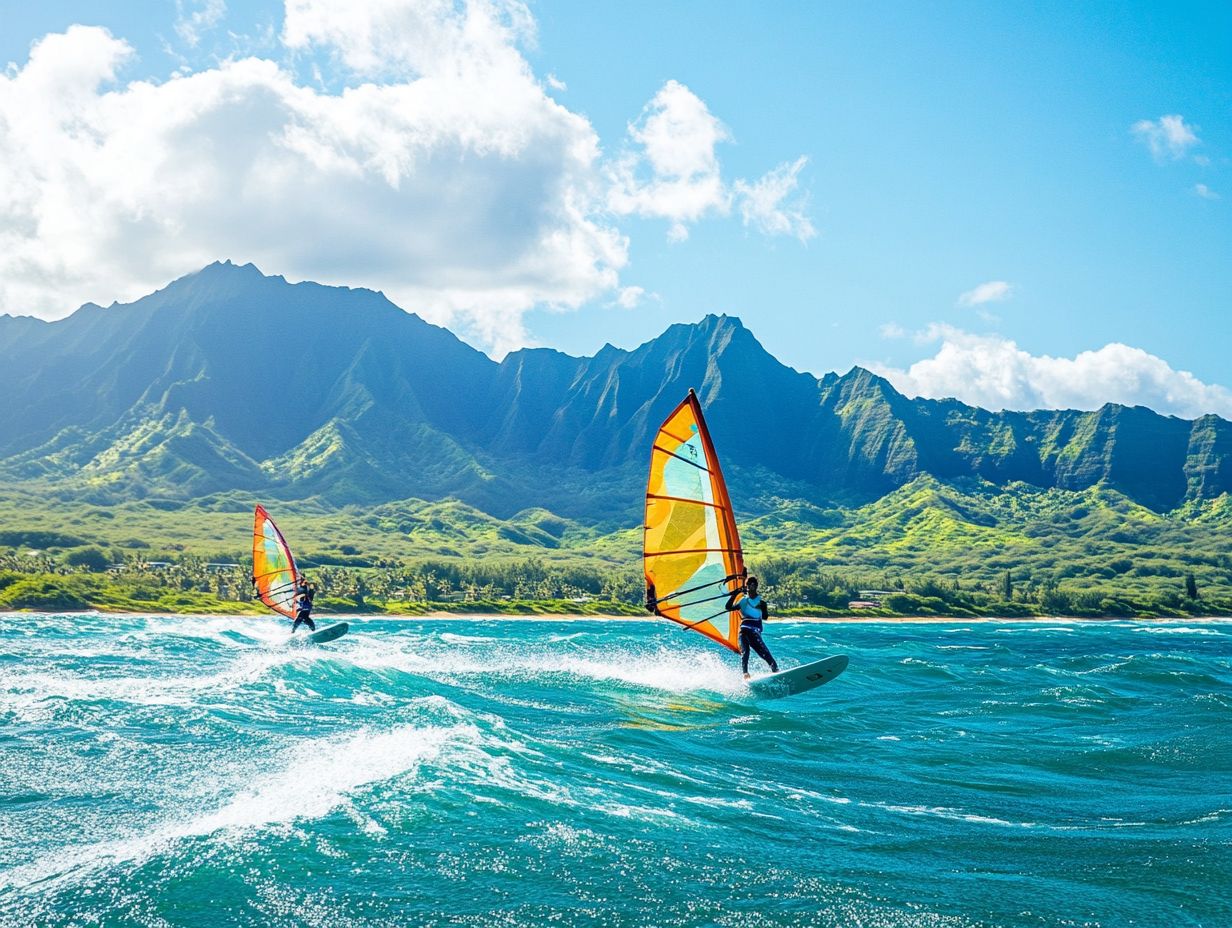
(195,772)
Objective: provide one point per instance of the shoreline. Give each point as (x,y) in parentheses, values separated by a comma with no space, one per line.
(578,617)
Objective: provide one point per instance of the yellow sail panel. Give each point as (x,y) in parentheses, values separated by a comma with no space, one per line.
(691,548)
(273,568)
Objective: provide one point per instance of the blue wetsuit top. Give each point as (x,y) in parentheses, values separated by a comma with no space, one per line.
(750,612)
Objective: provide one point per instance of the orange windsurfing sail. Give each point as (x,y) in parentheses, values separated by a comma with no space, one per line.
(273,568)
(691,548)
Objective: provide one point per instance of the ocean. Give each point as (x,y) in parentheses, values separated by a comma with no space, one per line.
(184,771)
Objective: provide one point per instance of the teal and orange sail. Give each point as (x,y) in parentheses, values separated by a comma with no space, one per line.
(691,547)
(273,567)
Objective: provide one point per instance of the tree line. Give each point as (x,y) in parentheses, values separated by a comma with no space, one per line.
(85,577)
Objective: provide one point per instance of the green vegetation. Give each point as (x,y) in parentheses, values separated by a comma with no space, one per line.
(419,474)
(188,584)
(964,549)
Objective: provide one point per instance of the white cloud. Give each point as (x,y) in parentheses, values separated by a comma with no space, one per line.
(1206,192)
(892,330)
(1167,136)
(670,170)
(765,204)
(675,174)
(441,172)
(991,292)
(556,83)
(993,372)
(466,194)
(442,39)
(205,16)
(630,297)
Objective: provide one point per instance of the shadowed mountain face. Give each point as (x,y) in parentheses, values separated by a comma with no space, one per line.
(231,380)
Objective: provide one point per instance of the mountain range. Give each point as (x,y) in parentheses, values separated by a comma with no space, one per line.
(229,380)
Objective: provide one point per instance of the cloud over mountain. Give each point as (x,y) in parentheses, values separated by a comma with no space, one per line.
(441,171)
(993,372)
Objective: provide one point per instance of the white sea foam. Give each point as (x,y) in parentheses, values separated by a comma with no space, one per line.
(1177,630)
(644,765)
(954,814)
(1029,629)
(309,781)
(33,695)
(452,638)
(797,793)
(209,627)
(673,670)
(1213,816)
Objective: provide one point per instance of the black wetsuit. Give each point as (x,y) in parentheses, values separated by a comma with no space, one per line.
(303,611)
(753,612)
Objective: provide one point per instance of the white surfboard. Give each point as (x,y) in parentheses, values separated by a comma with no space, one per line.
(798,679)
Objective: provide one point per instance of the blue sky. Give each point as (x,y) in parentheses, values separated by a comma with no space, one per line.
(944,147)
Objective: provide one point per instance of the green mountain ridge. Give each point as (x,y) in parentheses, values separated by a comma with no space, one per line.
(160,421)
(948,548)
(231,380)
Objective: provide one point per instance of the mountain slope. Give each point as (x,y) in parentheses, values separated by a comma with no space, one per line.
(228,380)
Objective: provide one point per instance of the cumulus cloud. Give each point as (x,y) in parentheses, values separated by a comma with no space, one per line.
(1166,137)
(991,292)
(457,185)
(673,170)
(993,372)
(1206,192)
(433,165)
(670,170)
(892,330)
(440,39)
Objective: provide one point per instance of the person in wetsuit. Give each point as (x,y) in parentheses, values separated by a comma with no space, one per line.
(303,605)
(753,612)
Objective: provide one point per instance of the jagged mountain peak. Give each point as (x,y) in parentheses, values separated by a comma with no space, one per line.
(341,393)
(227,266)
(862,376)
(720,322)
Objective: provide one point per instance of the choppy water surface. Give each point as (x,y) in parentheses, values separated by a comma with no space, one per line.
(195,772)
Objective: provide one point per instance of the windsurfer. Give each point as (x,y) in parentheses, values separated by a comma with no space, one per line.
(753,612)
(304,594)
